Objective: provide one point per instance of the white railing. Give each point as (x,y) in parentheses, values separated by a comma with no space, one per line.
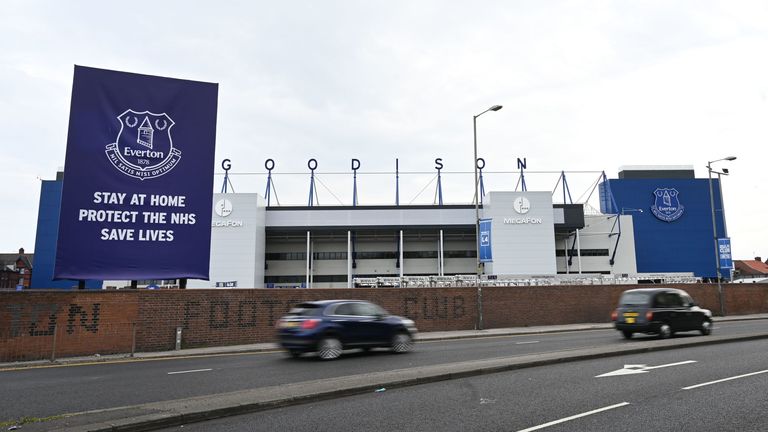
(531,280)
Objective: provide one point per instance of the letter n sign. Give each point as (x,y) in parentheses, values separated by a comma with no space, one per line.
(485,241)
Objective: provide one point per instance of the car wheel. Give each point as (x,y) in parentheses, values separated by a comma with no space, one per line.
(627,334)
(665,331)
(402,343)
(706,328)
(329,348)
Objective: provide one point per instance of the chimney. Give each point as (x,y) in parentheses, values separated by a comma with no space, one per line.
(758,259)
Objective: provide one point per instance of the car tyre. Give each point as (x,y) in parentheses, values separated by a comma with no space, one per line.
(329,348)
(402,343)
(665,331)
(706,327)
(627,334)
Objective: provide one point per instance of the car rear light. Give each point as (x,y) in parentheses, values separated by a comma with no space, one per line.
(614,315)
(649,316)
(310,324)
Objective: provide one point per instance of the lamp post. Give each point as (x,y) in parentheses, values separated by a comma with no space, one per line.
(714,231)
(477,219)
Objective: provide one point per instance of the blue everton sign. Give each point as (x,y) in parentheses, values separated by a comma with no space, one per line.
(138,178)
(666,205)
(486,254)
(724,253)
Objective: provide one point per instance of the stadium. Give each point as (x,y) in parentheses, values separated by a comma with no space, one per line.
(653,224)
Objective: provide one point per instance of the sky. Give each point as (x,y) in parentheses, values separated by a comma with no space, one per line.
(586,87)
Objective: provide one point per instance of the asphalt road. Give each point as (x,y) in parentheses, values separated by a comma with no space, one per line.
(712,388)
(43,392)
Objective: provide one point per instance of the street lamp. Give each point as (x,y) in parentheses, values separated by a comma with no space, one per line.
(477,217)
(714,230)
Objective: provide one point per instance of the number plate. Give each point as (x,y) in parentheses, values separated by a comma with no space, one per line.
(631,317)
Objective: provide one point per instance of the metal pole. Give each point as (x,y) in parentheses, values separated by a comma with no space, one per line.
(714,237)
(53,350)
(309,256)
(402,263)
(349,259)
(477,231)
(477,204)
(133,340)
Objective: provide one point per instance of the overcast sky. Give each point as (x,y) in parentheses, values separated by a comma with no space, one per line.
(587,86)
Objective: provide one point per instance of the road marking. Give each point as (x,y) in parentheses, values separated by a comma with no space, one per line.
(189,371)
(525,343)
(632,369)
(724,379)
(573,417)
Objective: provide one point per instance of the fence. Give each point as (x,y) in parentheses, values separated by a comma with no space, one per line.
(64,340)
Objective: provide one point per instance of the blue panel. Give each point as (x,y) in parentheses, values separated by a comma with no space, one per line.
(685,244)
(486,254)
(45,240)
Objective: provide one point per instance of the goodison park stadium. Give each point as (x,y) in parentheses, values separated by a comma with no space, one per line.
(651,223)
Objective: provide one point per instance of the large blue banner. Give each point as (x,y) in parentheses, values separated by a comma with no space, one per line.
(485,241)
(138,178)
(724,252)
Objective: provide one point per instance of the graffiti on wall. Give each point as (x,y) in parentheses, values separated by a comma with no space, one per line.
(42,319)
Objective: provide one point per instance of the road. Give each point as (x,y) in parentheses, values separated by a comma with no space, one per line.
(43,392)
(712,388)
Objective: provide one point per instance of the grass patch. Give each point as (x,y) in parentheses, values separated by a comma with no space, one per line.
(28,420)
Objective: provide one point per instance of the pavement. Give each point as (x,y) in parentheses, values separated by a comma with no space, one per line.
(157,415)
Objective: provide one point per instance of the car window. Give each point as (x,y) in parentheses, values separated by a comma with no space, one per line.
(306,309)
(668,299)
(675,300)
(367,309)
(344,309)
(687,299)
(635,298)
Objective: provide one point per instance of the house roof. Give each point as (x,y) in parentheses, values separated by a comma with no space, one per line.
(9,259)
(751,267)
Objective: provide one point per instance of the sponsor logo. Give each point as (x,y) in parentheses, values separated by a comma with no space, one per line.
(526,220)
(521,205)
(485,238)
(666,205)
(143,148)
(223,207)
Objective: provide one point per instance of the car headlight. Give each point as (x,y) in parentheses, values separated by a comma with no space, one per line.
(708,313)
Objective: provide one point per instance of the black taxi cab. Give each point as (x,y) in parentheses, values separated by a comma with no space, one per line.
(660,311)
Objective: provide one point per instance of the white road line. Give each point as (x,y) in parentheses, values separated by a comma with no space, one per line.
(189,371)
(725,379)
(671,364)
(527,342)
(573,417)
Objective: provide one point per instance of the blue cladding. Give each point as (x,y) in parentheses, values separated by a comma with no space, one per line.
(45,240)
(683,245)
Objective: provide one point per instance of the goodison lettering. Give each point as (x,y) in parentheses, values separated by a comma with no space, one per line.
(143,153)
(512,221)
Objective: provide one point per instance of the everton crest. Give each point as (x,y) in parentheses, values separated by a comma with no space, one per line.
(666,205)
(143,148)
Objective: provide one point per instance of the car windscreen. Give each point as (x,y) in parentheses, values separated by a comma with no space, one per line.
(635,299)
(306,309)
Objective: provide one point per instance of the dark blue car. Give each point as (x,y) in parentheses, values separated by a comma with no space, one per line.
(328,327)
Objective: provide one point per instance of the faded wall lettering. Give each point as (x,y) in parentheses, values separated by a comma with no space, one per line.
(76,311)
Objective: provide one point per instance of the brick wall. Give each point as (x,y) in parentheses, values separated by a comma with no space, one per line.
(90,322)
